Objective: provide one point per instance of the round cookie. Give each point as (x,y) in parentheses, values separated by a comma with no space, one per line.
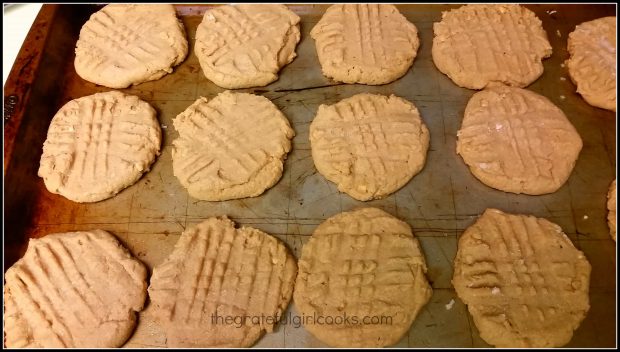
(73,290)
(217,274)
(517,141)
(523,281)
(611,207)
(230,147)
(125,44)
(592,62)
(369,145)
(98,145)
(476,45)
(361,278)
(246,45)
(365,43)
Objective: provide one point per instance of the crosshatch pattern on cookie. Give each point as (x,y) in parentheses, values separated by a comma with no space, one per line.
(99,144)
(71,287)
(362,263)
(365,43)
(524,282)
(369,145)
(517,141)
(246,45)
(123,44)
(478,44)
(218,270)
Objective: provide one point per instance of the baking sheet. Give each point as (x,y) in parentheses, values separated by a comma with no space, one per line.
(439,203)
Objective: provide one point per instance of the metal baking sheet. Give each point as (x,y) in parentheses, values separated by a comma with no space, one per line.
(439,203)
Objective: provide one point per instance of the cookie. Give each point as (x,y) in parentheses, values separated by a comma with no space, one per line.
(361,280)
(523,281)
(517,141)
(222,286)
(476,45)
(98,145)
(611,207)
(125,44)
(592,62)
(370,145)
(73,290)
(232,146)
(245,45)
(365,43)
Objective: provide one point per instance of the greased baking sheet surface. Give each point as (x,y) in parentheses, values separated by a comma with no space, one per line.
(439,203)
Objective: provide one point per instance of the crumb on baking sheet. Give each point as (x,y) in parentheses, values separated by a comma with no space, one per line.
(562,78)
(557,31)
(450,304)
